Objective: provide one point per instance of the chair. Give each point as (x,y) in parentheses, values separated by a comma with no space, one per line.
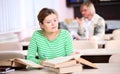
(116,34)
(85,44)
(10,46)
(10,55)
(115,58)
(113,44)
(27,39)
(5,57)
(108,37)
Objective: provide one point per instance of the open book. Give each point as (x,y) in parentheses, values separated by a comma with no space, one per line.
(17,62)
(66,61)
(62,59)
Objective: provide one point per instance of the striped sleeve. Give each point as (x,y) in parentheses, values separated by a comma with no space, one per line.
(32,50)
(68,43)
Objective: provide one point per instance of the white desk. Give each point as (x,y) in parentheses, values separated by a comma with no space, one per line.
(83,52)
(24,52)
(98,51)
(98,55)
(25,43)
(103,68)
(93,55)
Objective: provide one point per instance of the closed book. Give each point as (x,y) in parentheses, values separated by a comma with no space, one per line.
(62,64)
(68,69)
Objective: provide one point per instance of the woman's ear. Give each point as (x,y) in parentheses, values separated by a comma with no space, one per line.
(41,25)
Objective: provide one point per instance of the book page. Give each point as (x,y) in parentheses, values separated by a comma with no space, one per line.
(59,60)
(62,59)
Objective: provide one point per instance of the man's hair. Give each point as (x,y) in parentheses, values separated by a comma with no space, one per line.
(90,6)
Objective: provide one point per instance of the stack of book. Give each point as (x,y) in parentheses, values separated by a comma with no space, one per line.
(66,64)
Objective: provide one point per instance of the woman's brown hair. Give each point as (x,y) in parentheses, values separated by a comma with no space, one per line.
(44,13)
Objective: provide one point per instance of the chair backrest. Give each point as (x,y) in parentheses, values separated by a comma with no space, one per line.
(115,58)
(10,55)
(27,39)
(113,44)
(85,44)
(8,37)
(116,34)
(10,46)
(108,36)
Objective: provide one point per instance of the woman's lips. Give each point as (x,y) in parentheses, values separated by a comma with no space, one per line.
(53,27)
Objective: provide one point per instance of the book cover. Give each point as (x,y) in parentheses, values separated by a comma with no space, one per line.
(85,62)
(5,62)
(61,64)
(68,69)
(22,62)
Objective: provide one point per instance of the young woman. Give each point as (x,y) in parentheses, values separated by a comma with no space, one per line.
(49,42)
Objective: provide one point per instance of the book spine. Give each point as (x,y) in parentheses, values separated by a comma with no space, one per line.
(70,69)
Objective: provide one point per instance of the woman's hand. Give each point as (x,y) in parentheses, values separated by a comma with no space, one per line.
(80,21)
(75,52)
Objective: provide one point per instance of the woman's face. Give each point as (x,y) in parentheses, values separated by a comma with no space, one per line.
(85,11)
(50,23)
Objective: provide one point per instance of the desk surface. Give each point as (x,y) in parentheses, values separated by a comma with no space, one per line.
(103,68)
(98,51)
(26,43)
(83,52)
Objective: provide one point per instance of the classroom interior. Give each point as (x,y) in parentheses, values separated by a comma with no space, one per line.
(18,21)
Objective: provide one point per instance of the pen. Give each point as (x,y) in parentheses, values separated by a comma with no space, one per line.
(45,57)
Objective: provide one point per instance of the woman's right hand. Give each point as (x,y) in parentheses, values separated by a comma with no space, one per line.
(79,20)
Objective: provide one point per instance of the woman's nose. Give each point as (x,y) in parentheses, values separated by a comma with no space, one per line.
(53,23)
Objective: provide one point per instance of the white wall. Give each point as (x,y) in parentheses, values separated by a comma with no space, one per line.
(63,11)
(58,5)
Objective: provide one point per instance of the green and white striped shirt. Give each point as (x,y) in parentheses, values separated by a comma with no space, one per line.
(62,45)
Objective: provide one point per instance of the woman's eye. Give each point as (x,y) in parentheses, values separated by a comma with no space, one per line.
(48,22)
(55,20)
